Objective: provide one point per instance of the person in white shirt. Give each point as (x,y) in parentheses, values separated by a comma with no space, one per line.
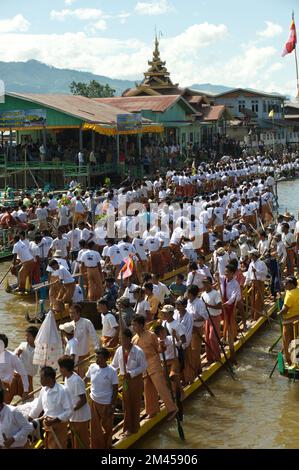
(78,295)
(195,277)
(9,364)
(256,276)
(132,371)
(197,308)
(104,390)
(280,251)
(290,243)
(79,210)
(63,215)
(212,300)
(142,306)
(42,216)
(91,265)
(69,340)
(85,333)
(67,282)
(110,326)
(56,404)
(80,418)
(22,257)
(25,352)
(129,291)
(186,320)
(14,427)
(61,242)
(162,290)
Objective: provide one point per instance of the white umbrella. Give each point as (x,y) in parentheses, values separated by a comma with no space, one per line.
(48,344)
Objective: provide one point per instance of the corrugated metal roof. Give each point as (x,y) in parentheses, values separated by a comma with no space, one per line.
(136,104)
(213,113)
(87,109)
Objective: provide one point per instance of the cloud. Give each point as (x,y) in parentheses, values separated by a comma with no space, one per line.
(16,24)
(69,2)
(99,25)
(83,14)
(158,7)
(271,30)
(193,56)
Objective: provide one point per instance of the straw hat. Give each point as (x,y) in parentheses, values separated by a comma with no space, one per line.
(220,251)
(168,309)
(254,253)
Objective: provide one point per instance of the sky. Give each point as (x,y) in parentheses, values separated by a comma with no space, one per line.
(227,42)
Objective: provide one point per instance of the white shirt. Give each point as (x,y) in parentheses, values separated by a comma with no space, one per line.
(102,381)
(55,402)
(74,236)
(161,291)
(142,307)
(261,271)
(115,255)
(14,424)
(109,324)
(78,295)
(152,243)
(22,251)
(129,293)
(212,298)
(136,363)
(187,322)
(198,310)
(138,244)
(84,330)
(195,279)
(233,291)
(71,348)
(64,275)
(27,358)
(60,244)
(91,258)
(176,326)
(9,363)
(76,387)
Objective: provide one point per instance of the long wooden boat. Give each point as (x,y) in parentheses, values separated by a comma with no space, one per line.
(147,425)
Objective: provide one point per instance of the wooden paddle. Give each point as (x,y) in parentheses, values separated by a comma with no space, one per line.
(6,274)
(179,425)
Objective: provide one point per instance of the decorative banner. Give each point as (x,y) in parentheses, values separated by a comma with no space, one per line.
(129,122)
(23,118)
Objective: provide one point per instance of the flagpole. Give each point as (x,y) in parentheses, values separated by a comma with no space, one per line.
(297,72)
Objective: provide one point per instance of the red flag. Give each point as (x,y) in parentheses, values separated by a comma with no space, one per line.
(126,268)
(292,41)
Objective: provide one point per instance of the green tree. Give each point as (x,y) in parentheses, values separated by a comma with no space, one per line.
(93,89)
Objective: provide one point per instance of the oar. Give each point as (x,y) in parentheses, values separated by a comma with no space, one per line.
(273,370)
(206,386)
(6,274)
(220,344)
(177,395)
(179,425)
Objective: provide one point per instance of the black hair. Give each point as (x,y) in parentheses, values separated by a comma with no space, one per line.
(1,395)
(4,338)
(78,308)
(149,286)
(103,301)
(67,362)
(104,352)
(193,290)
(48,372)
(292,280)
(139,319)
(33,330)
(128,333)
(158,329)
(180,276)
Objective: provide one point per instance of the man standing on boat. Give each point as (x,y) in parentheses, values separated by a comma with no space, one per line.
(55,403)
(9,364)
(22,257)
(154,378)
(290,314)
(256,276)
(85,333)
(130,360)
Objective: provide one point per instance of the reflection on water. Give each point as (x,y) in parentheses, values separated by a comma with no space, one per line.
(251,412)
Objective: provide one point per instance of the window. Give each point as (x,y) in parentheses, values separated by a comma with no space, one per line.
(282,134)
(242,105)
(264,106)
(255,106)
